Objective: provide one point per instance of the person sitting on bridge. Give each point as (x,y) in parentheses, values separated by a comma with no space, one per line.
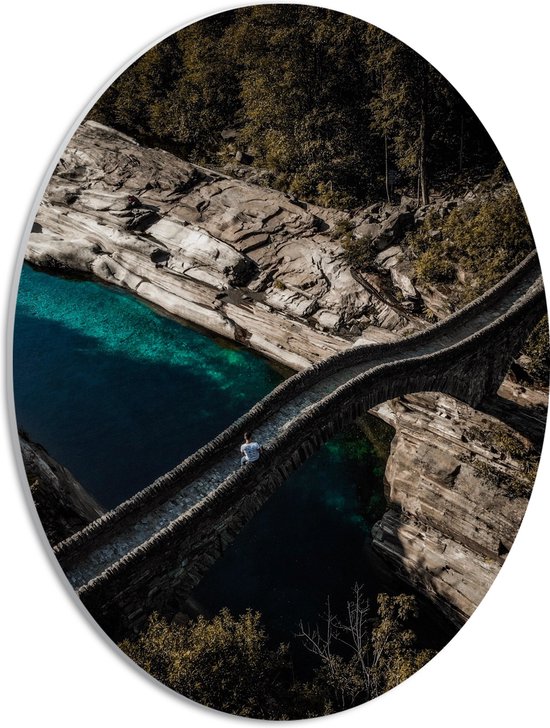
(250,450)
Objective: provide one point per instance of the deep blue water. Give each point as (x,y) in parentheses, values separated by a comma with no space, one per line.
(306,543)
(119,394)
(116,392)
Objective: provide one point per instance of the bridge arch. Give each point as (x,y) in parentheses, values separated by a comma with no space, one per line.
(122,569)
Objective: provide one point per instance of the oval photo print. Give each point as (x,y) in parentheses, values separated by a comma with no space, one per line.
(281,362)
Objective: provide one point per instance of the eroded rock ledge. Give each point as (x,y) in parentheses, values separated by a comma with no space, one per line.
(244,261)
(457,481)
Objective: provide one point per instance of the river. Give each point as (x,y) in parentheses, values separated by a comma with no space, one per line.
(120,393)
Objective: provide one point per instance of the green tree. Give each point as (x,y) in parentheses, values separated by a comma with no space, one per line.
(136,101)
(224,663)
(486,238)
(206,95)
(325,100)
(227,663)
(363,656)
(395,656)
(427,127)
(537,351)
(303,99)
(402,108)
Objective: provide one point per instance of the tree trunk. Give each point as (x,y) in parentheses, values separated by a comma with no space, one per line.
(386,167)
(461,149)
(422,171)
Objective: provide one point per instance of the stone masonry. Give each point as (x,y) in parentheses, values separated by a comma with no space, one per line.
(167,536)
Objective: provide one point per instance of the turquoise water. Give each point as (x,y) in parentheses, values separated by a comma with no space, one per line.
(116,392)
(120,393)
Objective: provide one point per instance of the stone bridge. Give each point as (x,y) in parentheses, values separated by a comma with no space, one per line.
(160,542)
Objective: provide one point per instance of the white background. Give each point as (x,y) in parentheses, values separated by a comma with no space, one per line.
(59,671)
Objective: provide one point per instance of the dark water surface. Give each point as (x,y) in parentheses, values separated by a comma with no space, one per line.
(307,542)
(120,394)
(116,392)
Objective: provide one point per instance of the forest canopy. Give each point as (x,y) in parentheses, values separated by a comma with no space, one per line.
(334,109)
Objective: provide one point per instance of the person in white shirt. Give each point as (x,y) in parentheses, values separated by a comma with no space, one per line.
(250,450)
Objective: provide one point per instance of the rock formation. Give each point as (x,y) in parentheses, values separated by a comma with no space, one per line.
(247,262)
(63,505)
(457,481)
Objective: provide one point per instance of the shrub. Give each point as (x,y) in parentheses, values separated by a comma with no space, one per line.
(359,252)
(223,662)
(420,240)
(486,237)
(537,350)
(504,441)
(342,229)
(510,485)
(433,267)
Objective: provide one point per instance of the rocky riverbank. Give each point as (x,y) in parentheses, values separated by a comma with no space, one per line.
(269,271)
(63,505)
(457,482)
(244,261)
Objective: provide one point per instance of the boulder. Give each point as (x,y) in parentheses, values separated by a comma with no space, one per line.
(402,281)
(392,229)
